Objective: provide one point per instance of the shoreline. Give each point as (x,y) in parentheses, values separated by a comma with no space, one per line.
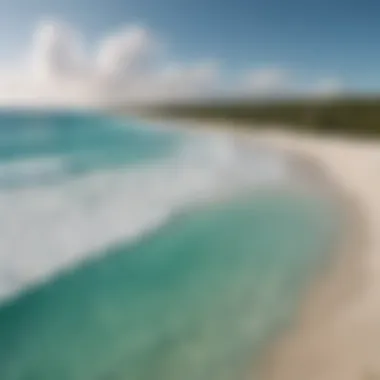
(308,348)
(333,335)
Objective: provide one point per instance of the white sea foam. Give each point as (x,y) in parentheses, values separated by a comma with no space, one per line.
(28,171)
(47,227)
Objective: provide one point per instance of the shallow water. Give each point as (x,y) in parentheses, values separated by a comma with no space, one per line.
(128,271)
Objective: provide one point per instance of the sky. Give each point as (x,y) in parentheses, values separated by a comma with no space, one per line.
(96,51)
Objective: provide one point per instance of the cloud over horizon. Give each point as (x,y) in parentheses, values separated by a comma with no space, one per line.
(128,66)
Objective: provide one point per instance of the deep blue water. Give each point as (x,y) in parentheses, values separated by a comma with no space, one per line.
(145,254)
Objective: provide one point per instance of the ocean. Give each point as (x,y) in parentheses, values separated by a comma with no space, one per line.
(129,251)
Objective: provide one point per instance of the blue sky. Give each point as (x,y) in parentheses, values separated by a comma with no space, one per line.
(323,37)
(311,38)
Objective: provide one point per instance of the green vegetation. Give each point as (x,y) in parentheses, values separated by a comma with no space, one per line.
(355,116)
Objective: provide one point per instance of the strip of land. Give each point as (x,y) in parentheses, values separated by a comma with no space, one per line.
(354,116)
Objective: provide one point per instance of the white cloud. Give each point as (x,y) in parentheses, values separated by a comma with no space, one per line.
(57,53)
(126,53)
(128,66)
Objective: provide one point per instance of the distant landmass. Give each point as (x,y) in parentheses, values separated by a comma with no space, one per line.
(344,115)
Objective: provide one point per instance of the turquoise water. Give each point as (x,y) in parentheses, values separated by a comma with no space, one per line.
(196,296)
(98,143)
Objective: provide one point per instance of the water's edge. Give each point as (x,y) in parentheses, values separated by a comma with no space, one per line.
(298,351)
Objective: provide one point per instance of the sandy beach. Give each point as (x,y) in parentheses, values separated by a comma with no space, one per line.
(336,334)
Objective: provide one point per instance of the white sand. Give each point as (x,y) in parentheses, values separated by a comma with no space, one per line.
(337,336)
